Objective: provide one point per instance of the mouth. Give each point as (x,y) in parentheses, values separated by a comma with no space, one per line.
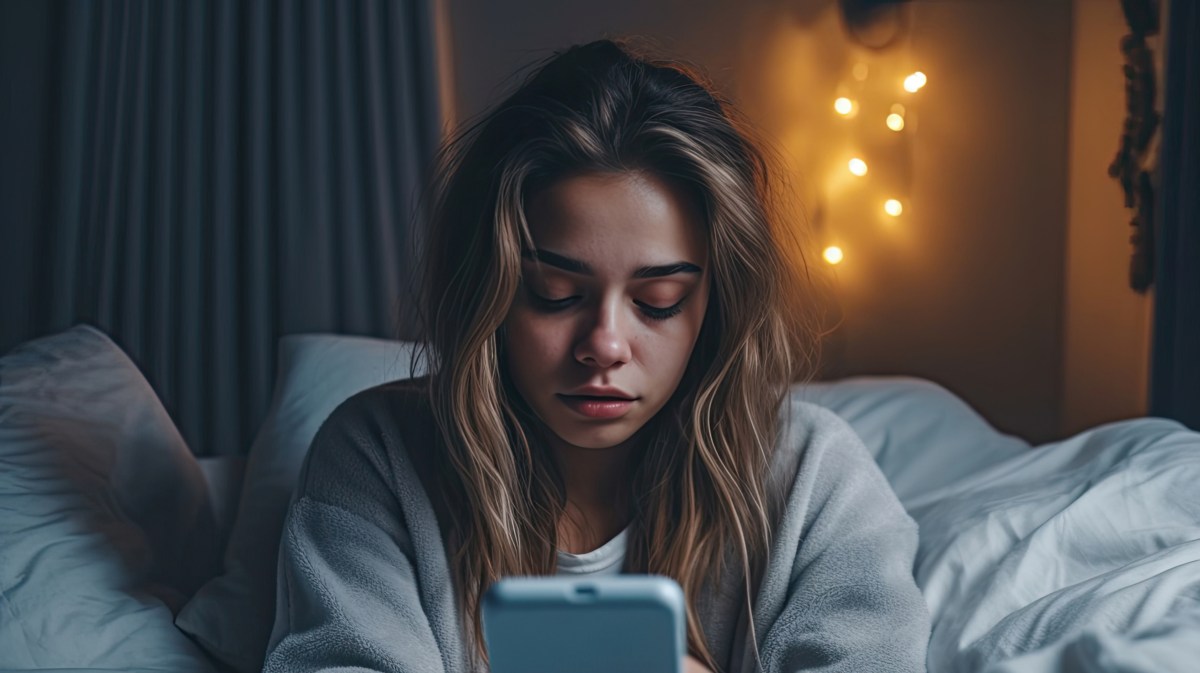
(598,406)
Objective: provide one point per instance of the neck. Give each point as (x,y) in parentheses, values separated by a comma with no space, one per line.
(597,483)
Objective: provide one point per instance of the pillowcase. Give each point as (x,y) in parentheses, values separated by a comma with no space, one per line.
(923,437)
(233,614)
(104,517)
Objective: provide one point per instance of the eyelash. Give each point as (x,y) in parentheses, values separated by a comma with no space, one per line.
(654,313)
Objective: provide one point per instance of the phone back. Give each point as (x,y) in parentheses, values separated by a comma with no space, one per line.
(609,624)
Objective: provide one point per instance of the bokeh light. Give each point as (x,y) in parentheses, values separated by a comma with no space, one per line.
(915,81)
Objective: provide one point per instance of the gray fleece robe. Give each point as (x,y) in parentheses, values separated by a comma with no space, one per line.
(364,583)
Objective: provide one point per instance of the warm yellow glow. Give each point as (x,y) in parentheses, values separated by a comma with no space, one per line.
(858,167)
(844,106)
(893,207)
(915,81)
(860,71)
(833,254)
(895,122)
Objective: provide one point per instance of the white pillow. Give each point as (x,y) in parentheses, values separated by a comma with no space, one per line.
(922,436)
(105,521)
(233,614)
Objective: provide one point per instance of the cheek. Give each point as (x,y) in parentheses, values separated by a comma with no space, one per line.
(667,352)
(532,341)
(690,334)
(677,353)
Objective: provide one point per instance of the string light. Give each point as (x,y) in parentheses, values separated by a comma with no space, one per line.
(896,120)
(915,81)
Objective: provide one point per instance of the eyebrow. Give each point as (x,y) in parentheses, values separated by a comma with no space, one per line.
(576,266)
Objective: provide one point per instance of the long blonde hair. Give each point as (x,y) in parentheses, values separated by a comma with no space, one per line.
(700,487)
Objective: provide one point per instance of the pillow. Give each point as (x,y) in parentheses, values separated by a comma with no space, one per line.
(104,518)
(922,436)
(233,614)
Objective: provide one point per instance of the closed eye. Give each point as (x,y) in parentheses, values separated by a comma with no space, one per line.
(549,304)
(656,313)
(653,312)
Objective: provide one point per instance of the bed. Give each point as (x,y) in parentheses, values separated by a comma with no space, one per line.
(119,550)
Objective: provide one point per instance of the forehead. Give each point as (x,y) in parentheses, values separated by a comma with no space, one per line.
(618,220)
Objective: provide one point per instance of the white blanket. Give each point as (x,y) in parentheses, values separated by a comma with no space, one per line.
(1082,555)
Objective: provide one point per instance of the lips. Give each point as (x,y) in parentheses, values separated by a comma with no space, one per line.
(601,392)
(598,406)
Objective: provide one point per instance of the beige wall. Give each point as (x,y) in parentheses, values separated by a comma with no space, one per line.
(1106,346)
(967,288)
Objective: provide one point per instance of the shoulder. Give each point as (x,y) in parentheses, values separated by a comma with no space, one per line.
(818,457)
(383,416)
(371,437)
(400,402)
(812,436)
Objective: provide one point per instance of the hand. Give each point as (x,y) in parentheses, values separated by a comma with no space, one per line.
(693,665)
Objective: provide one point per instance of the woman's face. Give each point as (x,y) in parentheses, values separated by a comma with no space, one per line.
(608,311)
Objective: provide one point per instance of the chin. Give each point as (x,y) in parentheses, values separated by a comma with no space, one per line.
(595,437)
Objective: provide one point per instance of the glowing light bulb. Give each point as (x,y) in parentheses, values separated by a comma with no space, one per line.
(860,71)
(893,207)
(844,106)
(858,167)
(915,81)
(833,254)
(895,122)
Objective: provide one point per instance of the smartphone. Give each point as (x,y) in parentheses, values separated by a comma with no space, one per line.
(607,624)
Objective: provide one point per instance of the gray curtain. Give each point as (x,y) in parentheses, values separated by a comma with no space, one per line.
(207,176)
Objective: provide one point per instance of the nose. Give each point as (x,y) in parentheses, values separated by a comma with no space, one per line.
(604,344)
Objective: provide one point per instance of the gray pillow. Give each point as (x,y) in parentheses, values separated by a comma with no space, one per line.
(232,615)
(105,525)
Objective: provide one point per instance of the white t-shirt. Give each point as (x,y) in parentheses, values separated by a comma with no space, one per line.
(608,559)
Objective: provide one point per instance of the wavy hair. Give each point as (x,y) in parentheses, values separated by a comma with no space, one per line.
(700,495)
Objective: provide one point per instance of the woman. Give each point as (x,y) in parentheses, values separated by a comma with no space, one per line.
(613,326)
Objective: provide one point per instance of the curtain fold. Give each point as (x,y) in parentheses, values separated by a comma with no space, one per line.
(1175,368)
(220,173)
